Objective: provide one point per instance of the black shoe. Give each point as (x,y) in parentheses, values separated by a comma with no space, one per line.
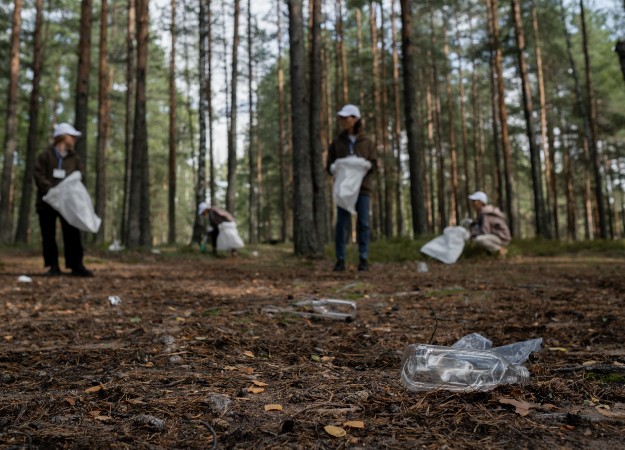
(363,265)
(81,271)
(339,266)
(53,272)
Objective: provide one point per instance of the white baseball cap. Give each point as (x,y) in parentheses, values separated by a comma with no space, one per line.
(349,110)
(66,129)
(202,207)
(479,195)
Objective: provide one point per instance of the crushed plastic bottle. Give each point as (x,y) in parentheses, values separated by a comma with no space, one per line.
(115,300)
(24,279)
(470,364)
(430,367)
(422,267)
(325,308)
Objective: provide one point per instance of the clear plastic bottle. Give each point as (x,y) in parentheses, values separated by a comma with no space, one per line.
(430,367)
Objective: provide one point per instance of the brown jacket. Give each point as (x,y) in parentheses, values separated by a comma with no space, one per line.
(217,216)
(364,147)
(492,221)
(46,162)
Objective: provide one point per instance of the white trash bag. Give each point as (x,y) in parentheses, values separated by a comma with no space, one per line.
(71,199)
(228,238)
(448,247)
(348,175)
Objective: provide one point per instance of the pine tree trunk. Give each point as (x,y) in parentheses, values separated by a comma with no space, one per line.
(551,215)
(173,133)
(498,185)
(455,204)
(430,194)
(208,92)
(130,55)
(476,125)
(620,51)
(282,145)
(399,218)
(571,220)
(304,235)
(581,106)
(81,109)
(200,187)
(343,51)
(384,122)
(319,180)
(592,117)
(10,138)
(100,157)
(463,125)
(540,219)
(23,223)
(503,120)
(419,225)
(232,131)
(438,134)
(140,233)
(361,88)
(252,157)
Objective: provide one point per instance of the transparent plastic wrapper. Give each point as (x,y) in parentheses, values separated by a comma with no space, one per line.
(228,238)
(24,279)
(448,247)
(325,308)
(470,364)
(115,300)
(71,199)
(348,175)
(422,267)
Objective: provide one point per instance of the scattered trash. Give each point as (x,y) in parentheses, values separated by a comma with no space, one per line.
(325,308)
(116,246)
(24,279)
(156,251)
(471,364)
(175,359)
(114,300)
(422,267)
(255,254)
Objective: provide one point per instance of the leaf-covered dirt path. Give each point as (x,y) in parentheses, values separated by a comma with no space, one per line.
(189,351)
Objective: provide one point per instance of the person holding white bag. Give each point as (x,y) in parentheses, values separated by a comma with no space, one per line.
(52,166)
(222,229)
(352,143)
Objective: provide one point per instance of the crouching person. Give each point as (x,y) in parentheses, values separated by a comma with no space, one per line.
(490,230)
(221,222)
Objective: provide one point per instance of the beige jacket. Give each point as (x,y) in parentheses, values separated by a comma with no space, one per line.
(492,221)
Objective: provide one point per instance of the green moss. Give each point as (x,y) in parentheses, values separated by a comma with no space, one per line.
(607,378)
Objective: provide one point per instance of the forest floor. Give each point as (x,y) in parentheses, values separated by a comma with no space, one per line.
(189,349)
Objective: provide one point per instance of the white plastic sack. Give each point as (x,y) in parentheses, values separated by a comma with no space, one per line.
(448,247)
(228,238)
(71,199)
(348,175)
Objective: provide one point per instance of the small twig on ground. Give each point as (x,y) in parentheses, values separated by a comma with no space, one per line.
(30,439)
(207,425)
(595,369)
(433,314)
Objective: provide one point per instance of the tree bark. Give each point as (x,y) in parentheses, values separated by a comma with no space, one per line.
(455,204)
(319,180)
(620,51)
(377,206)
(503,120)
(399,217)
(571,220)
(103,124)
(208,92)
(592,117)
(419,225)
(200,187)
(23,223)
(232,131)
(10,137)
(173,133)
(463,125)
(387,155)
(252,156)
(304,235)
(282,146)
(130,55)
(547,148)
(343,51)
(540,219)
(140,233)
(81,109)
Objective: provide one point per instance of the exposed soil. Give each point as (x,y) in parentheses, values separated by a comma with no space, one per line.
(188,347)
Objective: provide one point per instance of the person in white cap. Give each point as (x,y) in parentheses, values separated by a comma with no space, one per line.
(490,230)
(216,216)
(353,142)
(51,167)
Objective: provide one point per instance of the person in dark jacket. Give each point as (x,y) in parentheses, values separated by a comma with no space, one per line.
(52,166)
(353,142)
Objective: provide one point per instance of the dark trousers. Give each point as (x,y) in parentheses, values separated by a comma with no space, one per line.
(343,218)
(71,240)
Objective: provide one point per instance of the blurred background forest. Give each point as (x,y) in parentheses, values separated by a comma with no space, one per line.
(185,100)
